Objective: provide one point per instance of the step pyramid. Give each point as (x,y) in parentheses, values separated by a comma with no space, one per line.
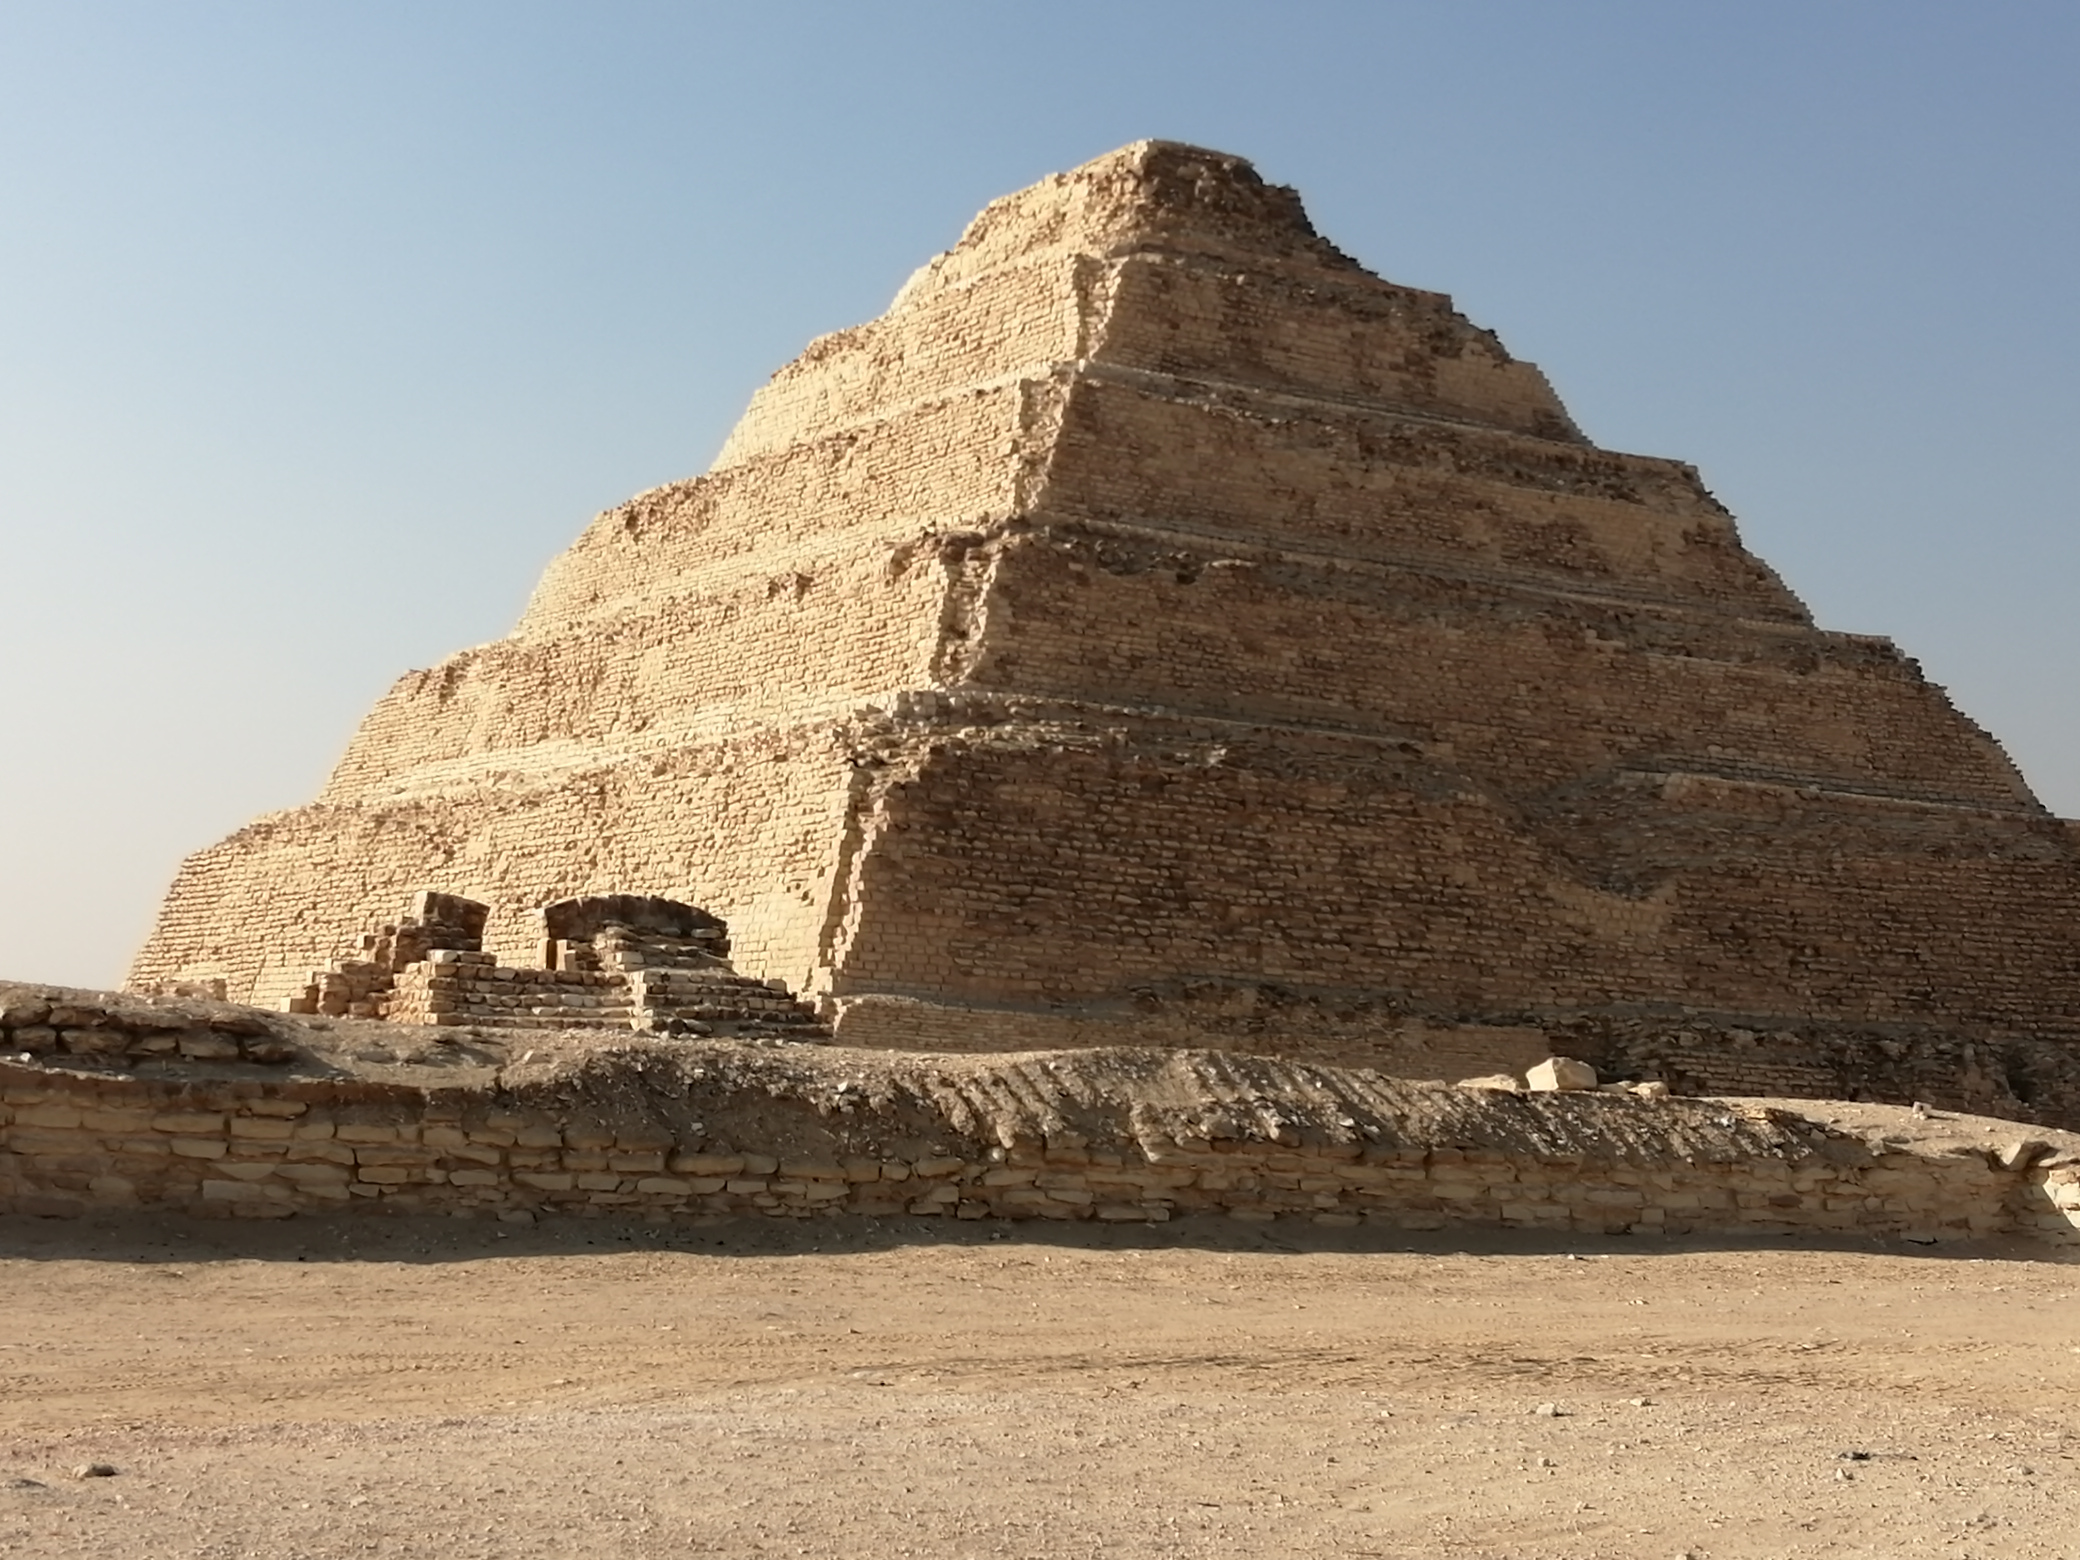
(1156,618)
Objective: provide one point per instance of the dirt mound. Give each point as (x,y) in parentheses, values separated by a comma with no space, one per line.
(829,1101)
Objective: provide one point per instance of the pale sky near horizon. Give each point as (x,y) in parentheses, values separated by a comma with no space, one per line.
(323,327)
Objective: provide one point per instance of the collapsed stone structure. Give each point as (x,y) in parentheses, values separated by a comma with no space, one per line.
(1156,619)
(607,961)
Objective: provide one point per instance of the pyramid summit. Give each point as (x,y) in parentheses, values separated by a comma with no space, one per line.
(1157,625)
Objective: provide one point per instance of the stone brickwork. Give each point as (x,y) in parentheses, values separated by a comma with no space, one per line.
(64,1027)
(1334,1148)
(361,984)
(615,961)
(1156,599)
(473,988)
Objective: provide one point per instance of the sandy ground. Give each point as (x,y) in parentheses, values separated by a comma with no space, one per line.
(440,1388)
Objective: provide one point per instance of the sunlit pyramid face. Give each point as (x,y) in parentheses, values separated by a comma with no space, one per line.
(1156,622)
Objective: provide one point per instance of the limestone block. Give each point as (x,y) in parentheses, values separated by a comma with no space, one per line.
(707,1164)
(188,1124)
(53,1115)
(111,1124)
(232,1191)
(313,1174)
(319,1153)
(203,1045)
(262,1128)
(1560,1073)
(117,1122)
(394,1154)
(94,1042)
(2021,1153)
(645,1141)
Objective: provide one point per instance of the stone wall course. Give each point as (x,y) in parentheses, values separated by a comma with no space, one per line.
(1365,1147)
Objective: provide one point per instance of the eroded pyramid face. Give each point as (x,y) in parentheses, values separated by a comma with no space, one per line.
(1156,610)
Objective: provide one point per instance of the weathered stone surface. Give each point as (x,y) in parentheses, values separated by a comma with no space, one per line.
(608,961)
(1345,1145)
(110,1028)
(1558,1074)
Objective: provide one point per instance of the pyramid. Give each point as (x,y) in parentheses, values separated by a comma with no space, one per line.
(1156,621)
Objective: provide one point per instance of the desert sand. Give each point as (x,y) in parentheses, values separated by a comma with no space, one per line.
(448,1388)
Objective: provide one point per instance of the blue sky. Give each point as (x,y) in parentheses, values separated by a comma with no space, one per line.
(324,326)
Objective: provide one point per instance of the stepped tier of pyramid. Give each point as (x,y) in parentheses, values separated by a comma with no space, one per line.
(1157,619)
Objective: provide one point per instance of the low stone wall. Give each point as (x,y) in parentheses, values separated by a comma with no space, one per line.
(108,1029)
(670,1131)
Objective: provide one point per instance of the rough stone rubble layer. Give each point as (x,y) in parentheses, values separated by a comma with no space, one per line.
(584,1124)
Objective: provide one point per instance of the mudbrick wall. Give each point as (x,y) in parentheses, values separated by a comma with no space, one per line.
(1113,1135)
(1156,598)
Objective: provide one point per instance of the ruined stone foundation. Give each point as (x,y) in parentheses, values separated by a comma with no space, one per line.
(1158,624)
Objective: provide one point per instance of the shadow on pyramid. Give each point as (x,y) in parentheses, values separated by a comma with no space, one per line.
(1157,627)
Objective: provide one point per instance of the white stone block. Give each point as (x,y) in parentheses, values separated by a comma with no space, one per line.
(1558,1074)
